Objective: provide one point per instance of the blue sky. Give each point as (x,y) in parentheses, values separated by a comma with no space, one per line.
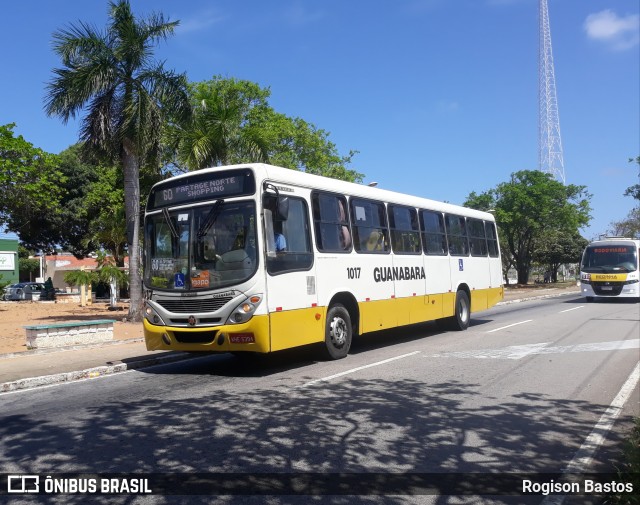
(440,97)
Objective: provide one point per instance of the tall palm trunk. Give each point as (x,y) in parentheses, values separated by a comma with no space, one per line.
(131,172)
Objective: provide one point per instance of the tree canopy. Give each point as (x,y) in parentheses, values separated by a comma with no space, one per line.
(31,184)
(233,122)
(528,207)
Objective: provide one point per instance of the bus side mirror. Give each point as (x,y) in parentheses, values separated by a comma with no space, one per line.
(279,206)
(282,208)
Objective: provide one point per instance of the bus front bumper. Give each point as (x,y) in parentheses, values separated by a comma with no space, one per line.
(252,336)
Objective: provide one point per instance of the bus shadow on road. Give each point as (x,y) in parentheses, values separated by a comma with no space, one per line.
(264,365)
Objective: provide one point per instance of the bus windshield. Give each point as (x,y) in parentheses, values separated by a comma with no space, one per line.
(205,247)
(610,259)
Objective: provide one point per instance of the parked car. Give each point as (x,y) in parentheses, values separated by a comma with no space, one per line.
(23,291)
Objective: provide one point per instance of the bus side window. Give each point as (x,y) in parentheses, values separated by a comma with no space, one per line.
(298,254)
(405,234)
(331,223)
(434,239)
(477,238)
(457,235)
(370,231)
(492,239)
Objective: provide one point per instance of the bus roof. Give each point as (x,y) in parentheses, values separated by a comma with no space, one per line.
(311,181)
(609,241)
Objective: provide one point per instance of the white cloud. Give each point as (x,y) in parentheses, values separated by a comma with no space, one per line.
(619,33)
(200,21)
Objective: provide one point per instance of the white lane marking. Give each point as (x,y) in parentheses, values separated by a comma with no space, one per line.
(510,325)
(574,308)
(584,456)
(353,370)
(522,351)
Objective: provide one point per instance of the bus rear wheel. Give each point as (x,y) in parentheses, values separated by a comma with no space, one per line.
(338,332)
(462,316)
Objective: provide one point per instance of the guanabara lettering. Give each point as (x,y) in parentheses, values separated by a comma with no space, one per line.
(386,274)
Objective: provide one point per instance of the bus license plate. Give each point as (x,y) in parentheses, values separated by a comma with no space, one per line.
(606,288)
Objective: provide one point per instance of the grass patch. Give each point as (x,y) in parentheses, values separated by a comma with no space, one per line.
(630,469)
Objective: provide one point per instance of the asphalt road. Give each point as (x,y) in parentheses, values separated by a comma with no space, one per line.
(538,388)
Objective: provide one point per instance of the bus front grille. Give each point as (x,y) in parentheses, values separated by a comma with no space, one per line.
(195,305)
(195,337)
(607,288)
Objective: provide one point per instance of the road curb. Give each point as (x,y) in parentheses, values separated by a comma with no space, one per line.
(75,347)
(539,297)
(91,373)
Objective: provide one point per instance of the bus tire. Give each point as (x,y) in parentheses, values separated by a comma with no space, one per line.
(462,315)
(338,332)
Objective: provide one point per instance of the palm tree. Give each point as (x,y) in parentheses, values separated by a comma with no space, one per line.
(225,126)
(111,78)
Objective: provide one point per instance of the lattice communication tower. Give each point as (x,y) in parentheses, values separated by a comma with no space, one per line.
(550,157)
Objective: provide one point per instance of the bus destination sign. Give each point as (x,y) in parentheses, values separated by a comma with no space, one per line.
(202,187)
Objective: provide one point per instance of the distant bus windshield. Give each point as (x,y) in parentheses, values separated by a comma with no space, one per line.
(200,187)
(610,258)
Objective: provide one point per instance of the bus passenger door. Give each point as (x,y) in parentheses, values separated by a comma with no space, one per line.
(291,280)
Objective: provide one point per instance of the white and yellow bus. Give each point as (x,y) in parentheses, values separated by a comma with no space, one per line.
(610,269)
(258,258)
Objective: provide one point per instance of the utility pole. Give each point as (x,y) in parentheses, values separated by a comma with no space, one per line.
(550,157)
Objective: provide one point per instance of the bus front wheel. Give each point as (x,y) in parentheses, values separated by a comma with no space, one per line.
(338,332)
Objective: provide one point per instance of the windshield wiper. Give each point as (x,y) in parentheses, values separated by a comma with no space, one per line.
(167,218)
(210,219)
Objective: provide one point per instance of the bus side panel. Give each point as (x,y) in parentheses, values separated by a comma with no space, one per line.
(410,279)
(479,275)
(495,265)
(292,328)
(437,287)
(364,276)
(473,272)
(376,295)
(292,305)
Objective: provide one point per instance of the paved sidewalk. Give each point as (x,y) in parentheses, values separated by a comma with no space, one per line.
(36,368)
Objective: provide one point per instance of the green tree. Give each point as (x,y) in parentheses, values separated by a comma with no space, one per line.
(221,130)
(105,202)
(30,184)
(66,227)
(232,122)
(529,206)
(111,274)
(111,76)
(557,248)
(634,191)
(27,266)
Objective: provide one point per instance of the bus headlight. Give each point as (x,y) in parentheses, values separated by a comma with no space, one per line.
(585,278)
(152,316)
(243,312)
